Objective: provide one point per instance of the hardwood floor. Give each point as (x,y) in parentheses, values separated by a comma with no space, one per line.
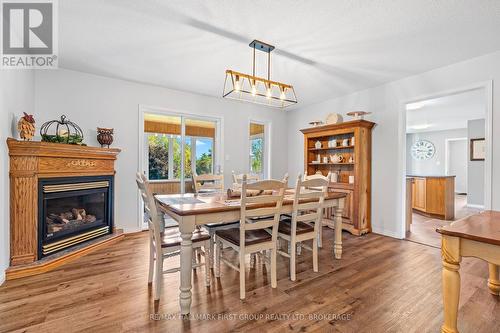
(380,285)
(423,228)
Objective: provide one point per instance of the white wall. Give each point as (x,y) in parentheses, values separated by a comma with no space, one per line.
(387,104)
(16,97)
(93,101)
(475,169)
(457,164)
(436,164)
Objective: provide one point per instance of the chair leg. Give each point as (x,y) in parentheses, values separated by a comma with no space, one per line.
(211,249)
(151,262)
(315,254)
(252,259)
(242,274)
(207,263)
(293,250)
(218,249)
(158,278)
(274,283)
(320,235)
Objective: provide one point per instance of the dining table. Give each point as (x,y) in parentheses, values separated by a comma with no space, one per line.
(191,210)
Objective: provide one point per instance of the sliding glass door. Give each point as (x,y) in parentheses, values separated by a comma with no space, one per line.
(176,147)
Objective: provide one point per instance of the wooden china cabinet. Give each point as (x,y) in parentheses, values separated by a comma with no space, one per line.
(347,148)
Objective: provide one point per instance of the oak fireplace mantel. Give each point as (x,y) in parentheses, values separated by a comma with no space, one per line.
(32,161)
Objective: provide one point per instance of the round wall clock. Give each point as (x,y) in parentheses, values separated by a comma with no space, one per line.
(423,150)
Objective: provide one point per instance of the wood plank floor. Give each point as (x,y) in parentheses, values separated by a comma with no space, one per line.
(423,228)
(380,285)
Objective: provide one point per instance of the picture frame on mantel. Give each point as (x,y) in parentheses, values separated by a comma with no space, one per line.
(477,149)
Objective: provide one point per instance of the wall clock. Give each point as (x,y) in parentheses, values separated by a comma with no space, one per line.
(423,150)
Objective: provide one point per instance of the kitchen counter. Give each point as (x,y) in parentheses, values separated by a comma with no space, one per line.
(429,176)
(434,195)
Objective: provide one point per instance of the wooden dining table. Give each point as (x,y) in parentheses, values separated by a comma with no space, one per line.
(191,210)
(475,236)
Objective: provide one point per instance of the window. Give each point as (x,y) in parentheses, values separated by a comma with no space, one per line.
(164,143)
(257,149)
(203,149)
(158,156)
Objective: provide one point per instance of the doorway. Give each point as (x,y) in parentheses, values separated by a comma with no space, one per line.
(443,184)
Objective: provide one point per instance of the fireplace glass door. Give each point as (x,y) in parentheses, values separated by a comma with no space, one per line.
(74,210)
(68,212)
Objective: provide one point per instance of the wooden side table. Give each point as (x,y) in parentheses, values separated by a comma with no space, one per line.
(476,236)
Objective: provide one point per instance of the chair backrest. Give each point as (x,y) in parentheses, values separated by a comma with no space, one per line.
(238,178)
(261,211)
(317,175)
(208,183)
(308,201)
(150,207)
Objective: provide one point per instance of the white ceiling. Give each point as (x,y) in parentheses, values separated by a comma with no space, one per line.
(448,112)
(324,48)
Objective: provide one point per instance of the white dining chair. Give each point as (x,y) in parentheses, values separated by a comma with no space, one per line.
(257,214)
(306,220)
(206,184)
(165,243)
(326,211)
(238,178)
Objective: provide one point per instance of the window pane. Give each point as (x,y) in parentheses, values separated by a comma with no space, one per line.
(256,155)
(204,160)
(177,157)
(158,156)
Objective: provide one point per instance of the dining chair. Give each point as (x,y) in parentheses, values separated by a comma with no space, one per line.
(306,221)
(238,178)
(206,184)
(165,243)
(252,237)
(326,211)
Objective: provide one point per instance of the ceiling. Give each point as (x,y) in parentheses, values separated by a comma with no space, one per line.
(445,113)
(324,48)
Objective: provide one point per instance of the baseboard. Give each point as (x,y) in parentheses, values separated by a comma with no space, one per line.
(2,277)
(475,206)
(385,232)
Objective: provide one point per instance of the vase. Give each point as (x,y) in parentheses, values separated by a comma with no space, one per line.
(105,136)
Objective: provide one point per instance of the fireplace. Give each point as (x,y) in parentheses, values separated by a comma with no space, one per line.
(73,210)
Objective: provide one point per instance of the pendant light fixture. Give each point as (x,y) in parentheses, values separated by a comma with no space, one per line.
(251,88)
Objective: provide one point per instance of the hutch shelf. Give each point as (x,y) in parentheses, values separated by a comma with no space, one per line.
(347,150)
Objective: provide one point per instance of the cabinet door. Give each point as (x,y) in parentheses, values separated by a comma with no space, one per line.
(347,214)
(419,194)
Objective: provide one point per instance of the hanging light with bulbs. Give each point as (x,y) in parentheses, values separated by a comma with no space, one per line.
(251,88)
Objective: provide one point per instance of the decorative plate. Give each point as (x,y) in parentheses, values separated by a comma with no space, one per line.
(423,150)
(333,118)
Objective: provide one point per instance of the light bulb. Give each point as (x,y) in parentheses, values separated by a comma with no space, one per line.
(282,94)
(237,85)
(254,90)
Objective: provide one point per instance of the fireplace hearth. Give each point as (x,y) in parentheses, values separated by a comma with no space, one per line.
(73,210)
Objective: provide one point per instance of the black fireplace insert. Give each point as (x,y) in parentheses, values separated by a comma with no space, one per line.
(73,210)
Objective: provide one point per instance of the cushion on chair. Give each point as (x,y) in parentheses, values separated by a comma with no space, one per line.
(172,237)
(285,227)
(251,236)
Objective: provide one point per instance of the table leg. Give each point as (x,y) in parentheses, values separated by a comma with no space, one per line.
(451,283)
(337,245)
(494,280)
(186,226)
